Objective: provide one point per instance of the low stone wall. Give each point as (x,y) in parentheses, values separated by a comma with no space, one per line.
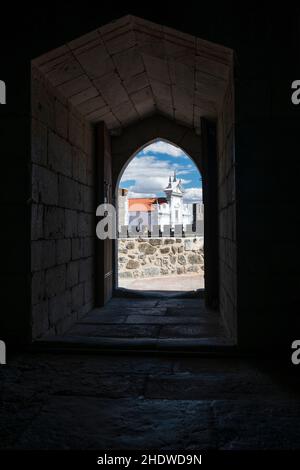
(154,257)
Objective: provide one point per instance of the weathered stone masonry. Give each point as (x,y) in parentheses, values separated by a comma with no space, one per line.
(62,246)
(227,212)
(154,257)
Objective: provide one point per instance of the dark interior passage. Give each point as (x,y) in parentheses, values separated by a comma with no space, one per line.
(85,128)
(158,82)
(90,401)
(155,323)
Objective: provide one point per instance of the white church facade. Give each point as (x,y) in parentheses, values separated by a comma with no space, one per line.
(169,210)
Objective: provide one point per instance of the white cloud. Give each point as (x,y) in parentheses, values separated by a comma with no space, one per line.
(192,195)
(150,175)
(147,176)
(163,147)
(134,194)
(184,172)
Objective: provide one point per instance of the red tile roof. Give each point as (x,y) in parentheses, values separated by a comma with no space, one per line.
(144,204)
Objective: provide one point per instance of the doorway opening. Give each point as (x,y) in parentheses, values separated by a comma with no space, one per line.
(95,101)
(160,213)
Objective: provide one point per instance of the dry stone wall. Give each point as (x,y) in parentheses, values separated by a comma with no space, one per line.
(154,257)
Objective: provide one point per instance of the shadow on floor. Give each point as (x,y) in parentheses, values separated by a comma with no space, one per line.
(92,401)
(151,323)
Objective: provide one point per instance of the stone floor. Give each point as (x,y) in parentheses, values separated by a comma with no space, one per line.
(152,323)
(182,283)
(84,401)
(131,379)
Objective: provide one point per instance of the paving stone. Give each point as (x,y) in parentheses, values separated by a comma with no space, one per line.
(120,424)
(258,424)
(92,318)
(199,311)
(156,319)
(222,386)
(187,331)
(145,311)
(182,303)
(145,318)
(15,418)
(217,365)
(108,344)
(195,344)
(132,303)
(127,331)
(125,402)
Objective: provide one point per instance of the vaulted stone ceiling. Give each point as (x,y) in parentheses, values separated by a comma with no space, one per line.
(132,68)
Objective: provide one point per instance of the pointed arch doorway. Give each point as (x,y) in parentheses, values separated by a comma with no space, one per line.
(160,188)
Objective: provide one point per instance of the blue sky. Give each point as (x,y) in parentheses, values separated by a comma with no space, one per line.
(148,172)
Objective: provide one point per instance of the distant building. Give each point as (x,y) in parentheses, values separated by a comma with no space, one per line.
(123,207)
(169,210)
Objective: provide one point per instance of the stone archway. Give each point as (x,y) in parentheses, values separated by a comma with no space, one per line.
(166,265)
(120,75)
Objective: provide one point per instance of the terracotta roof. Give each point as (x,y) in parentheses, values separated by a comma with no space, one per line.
(145,204)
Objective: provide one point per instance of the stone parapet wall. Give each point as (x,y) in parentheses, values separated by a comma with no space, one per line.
(154,257)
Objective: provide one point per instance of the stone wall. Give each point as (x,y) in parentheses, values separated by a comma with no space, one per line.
(62,217)
(154,257)
(227,213)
